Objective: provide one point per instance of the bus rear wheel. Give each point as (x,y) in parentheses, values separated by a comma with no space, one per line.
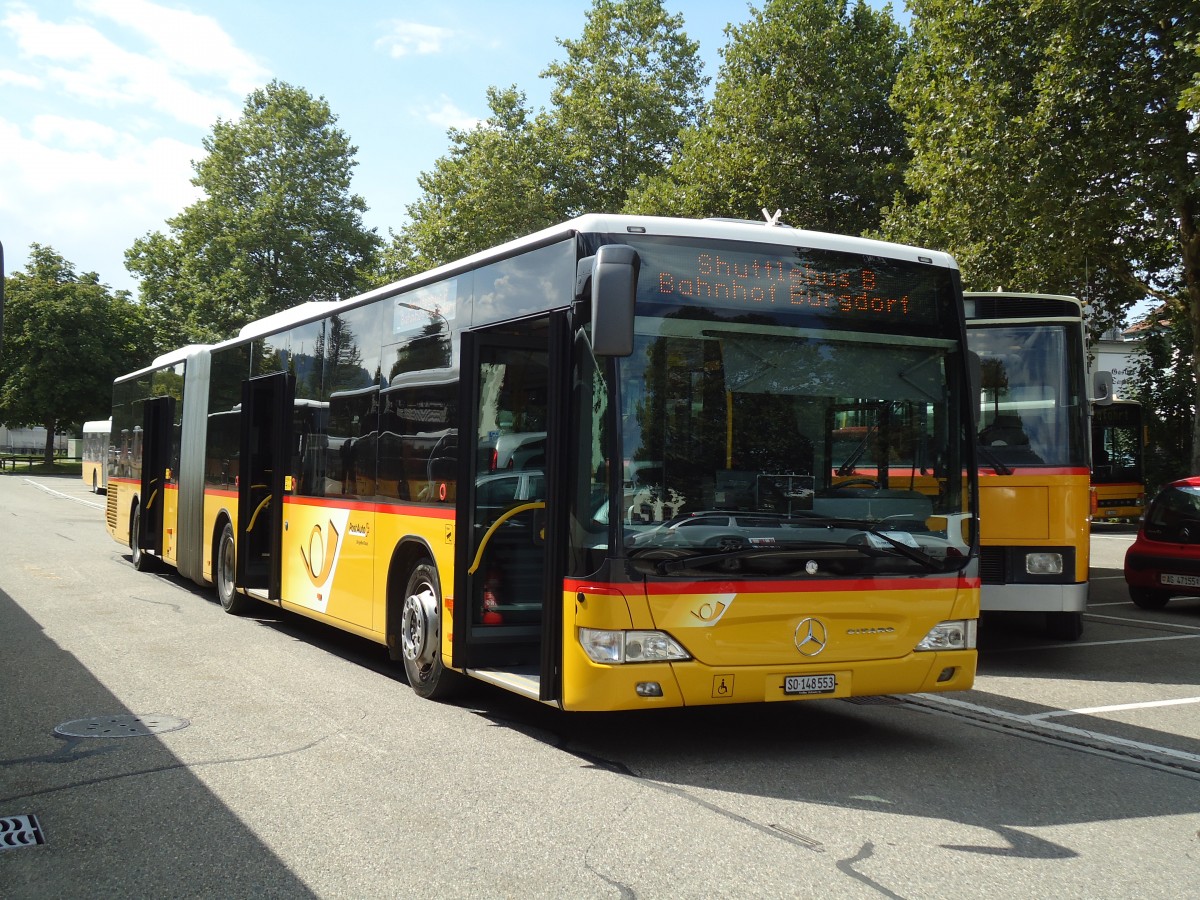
(421,635)
(226,575)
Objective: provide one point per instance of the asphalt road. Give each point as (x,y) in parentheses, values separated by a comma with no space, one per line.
(283,759)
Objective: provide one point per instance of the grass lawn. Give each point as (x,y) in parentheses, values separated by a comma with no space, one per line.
(58,467)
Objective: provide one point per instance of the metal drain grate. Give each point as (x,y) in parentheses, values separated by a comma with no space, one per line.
(120,726)
(879,700)
(17,832)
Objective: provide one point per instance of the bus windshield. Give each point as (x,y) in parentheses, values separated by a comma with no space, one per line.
(1033,403)
(791,439)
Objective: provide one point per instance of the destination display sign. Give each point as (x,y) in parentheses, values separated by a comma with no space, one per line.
(826,283)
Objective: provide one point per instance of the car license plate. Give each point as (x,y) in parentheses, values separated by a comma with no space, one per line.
(809,684)
(1181,580)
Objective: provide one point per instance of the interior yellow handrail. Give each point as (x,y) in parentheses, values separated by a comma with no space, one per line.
(508,514)
(266,500)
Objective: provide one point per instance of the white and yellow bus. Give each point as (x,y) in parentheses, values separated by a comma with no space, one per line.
(1118,453)
(594,466)
(1034,456)
(95,454)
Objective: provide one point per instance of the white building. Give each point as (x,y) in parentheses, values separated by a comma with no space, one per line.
(29,440)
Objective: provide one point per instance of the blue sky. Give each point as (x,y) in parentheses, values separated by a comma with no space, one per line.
(105,103)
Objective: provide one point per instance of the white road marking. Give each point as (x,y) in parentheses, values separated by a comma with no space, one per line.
(51,491)
(1149,704)
(1145,640)
(952,704)
(1146,622)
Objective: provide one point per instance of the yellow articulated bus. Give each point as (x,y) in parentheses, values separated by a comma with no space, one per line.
(595,466)
(95,454)
(1118,448)
(1034,457)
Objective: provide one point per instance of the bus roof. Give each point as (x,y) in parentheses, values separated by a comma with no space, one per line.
(596,223)
(98,426)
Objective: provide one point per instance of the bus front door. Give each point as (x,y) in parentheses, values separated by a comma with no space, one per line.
(509,548)
(158,420)
(266,426)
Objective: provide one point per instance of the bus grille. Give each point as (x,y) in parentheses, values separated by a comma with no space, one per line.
(992,565)
(110,509)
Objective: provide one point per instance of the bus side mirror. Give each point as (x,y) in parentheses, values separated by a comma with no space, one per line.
(1102,388)
(975,375)
(614,287)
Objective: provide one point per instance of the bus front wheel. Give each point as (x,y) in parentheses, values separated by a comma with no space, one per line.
(231,601)
(1064,626)
(421,635)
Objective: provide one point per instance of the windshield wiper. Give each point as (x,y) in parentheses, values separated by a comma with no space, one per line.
(993,460)
(880,530)
(932,564)
(762,551)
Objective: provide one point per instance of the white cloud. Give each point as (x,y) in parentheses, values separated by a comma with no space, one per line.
(19,79)
(405,38)
(90,67)
(105,103)
(71,133)
(88,190)
(447,115)
(185,40)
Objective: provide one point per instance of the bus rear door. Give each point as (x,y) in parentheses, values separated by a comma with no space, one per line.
(158,419)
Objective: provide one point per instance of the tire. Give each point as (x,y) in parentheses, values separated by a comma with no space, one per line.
(142,561)
(421,636)
(225,575)
(1064,626)
(1148,598)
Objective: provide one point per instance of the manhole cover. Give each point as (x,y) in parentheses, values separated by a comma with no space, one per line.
(120,726)
(20,831)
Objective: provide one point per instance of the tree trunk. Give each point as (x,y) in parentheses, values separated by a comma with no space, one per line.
(50,425)
(1189,237)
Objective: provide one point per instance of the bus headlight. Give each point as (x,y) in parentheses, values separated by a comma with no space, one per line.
(957,635)
(630,646)
(1044,563)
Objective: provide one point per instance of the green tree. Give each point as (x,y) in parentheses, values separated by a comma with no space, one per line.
(800,121)
(66,337)
(1054,150)
(1165,386)
(493,185)
(278,224)
(629,87)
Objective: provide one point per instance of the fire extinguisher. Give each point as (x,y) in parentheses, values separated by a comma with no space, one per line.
(491,586)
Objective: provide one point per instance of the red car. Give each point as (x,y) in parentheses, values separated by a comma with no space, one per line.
(1164,561)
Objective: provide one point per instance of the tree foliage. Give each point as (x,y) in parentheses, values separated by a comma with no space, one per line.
(277,226)
(800,121)
(1053,150)
(66,337)
(493,185)
(628,88)
(630,84)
